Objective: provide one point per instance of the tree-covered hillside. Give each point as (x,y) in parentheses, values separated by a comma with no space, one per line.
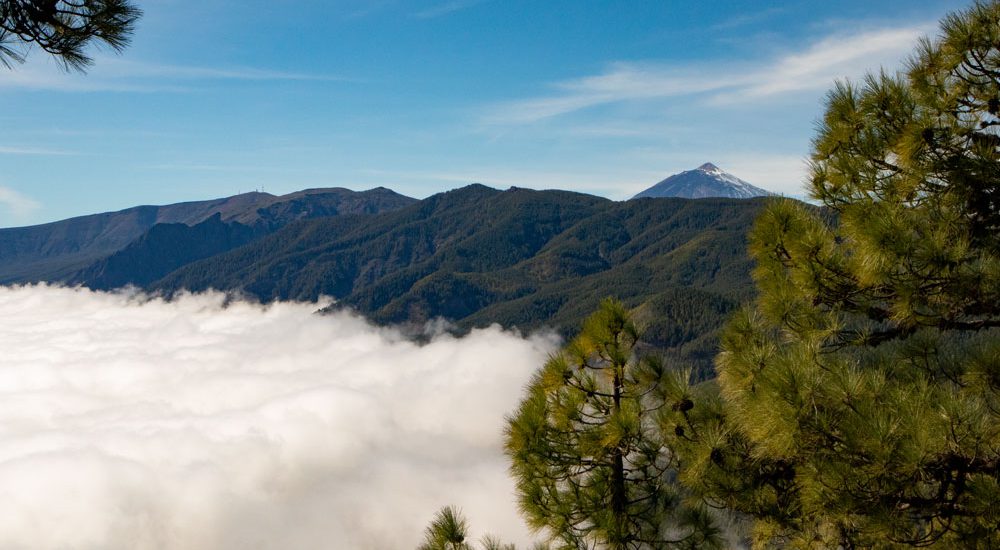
(523,258)
(79,249)
(162,249)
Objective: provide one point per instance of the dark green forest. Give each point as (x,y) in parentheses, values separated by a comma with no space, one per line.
(84,249)
(475,256)
(526,259)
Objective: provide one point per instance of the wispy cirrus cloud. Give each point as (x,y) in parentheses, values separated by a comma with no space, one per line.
(829,59)
(15,206)
(621,82)
(117,75)
(132,69)
(833,57)
(751,18)
(4,150)
(446,8)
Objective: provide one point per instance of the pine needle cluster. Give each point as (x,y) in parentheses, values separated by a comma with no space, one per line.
(858,399)
(64,28)
(449,530)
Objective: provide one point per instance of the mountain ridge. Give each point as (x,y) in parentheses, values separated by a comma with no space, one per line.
(521,258)
(57,251)
(475,256)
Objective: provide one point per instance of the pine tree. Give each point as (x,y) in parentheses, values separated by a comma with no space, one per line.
(589,467)
(449,530)
(64,28)
(859,396)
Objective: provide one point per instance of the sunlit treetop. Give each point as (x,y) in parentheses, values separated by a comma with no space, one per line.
(859,394)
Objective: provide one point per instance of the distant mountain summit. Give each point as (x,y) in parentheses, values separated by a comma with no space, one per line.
(708,180)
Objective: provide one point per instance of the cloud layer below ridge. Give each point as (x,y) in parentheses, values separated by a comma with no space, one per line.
(132,423)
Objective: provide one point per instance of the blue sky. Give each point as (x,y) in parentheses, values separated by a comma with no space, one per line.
(215,97)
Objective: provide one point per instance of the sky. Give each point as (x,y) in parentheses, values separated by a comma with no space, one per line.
(130,423)
(218,97)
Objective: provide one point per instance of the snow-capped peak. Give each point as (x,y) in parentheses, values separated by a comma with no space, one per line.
(708,180)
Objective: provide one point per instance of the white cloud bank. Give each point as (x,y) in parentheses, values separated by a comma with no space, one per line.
(129,423)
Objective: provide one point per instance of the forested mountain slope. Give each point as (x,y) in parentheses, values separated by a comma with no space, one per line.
(474,256)
(519,257)
(165,248)
(59,251)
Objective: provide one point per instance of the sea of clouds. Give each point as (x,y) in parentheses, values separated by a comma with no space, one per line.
(133,423)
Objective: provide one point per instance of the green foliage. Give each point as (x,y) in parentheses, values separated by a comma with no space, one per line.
(449,530)
(529,259)
(589,465)
(858,402)
(162,249)
(63,28)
